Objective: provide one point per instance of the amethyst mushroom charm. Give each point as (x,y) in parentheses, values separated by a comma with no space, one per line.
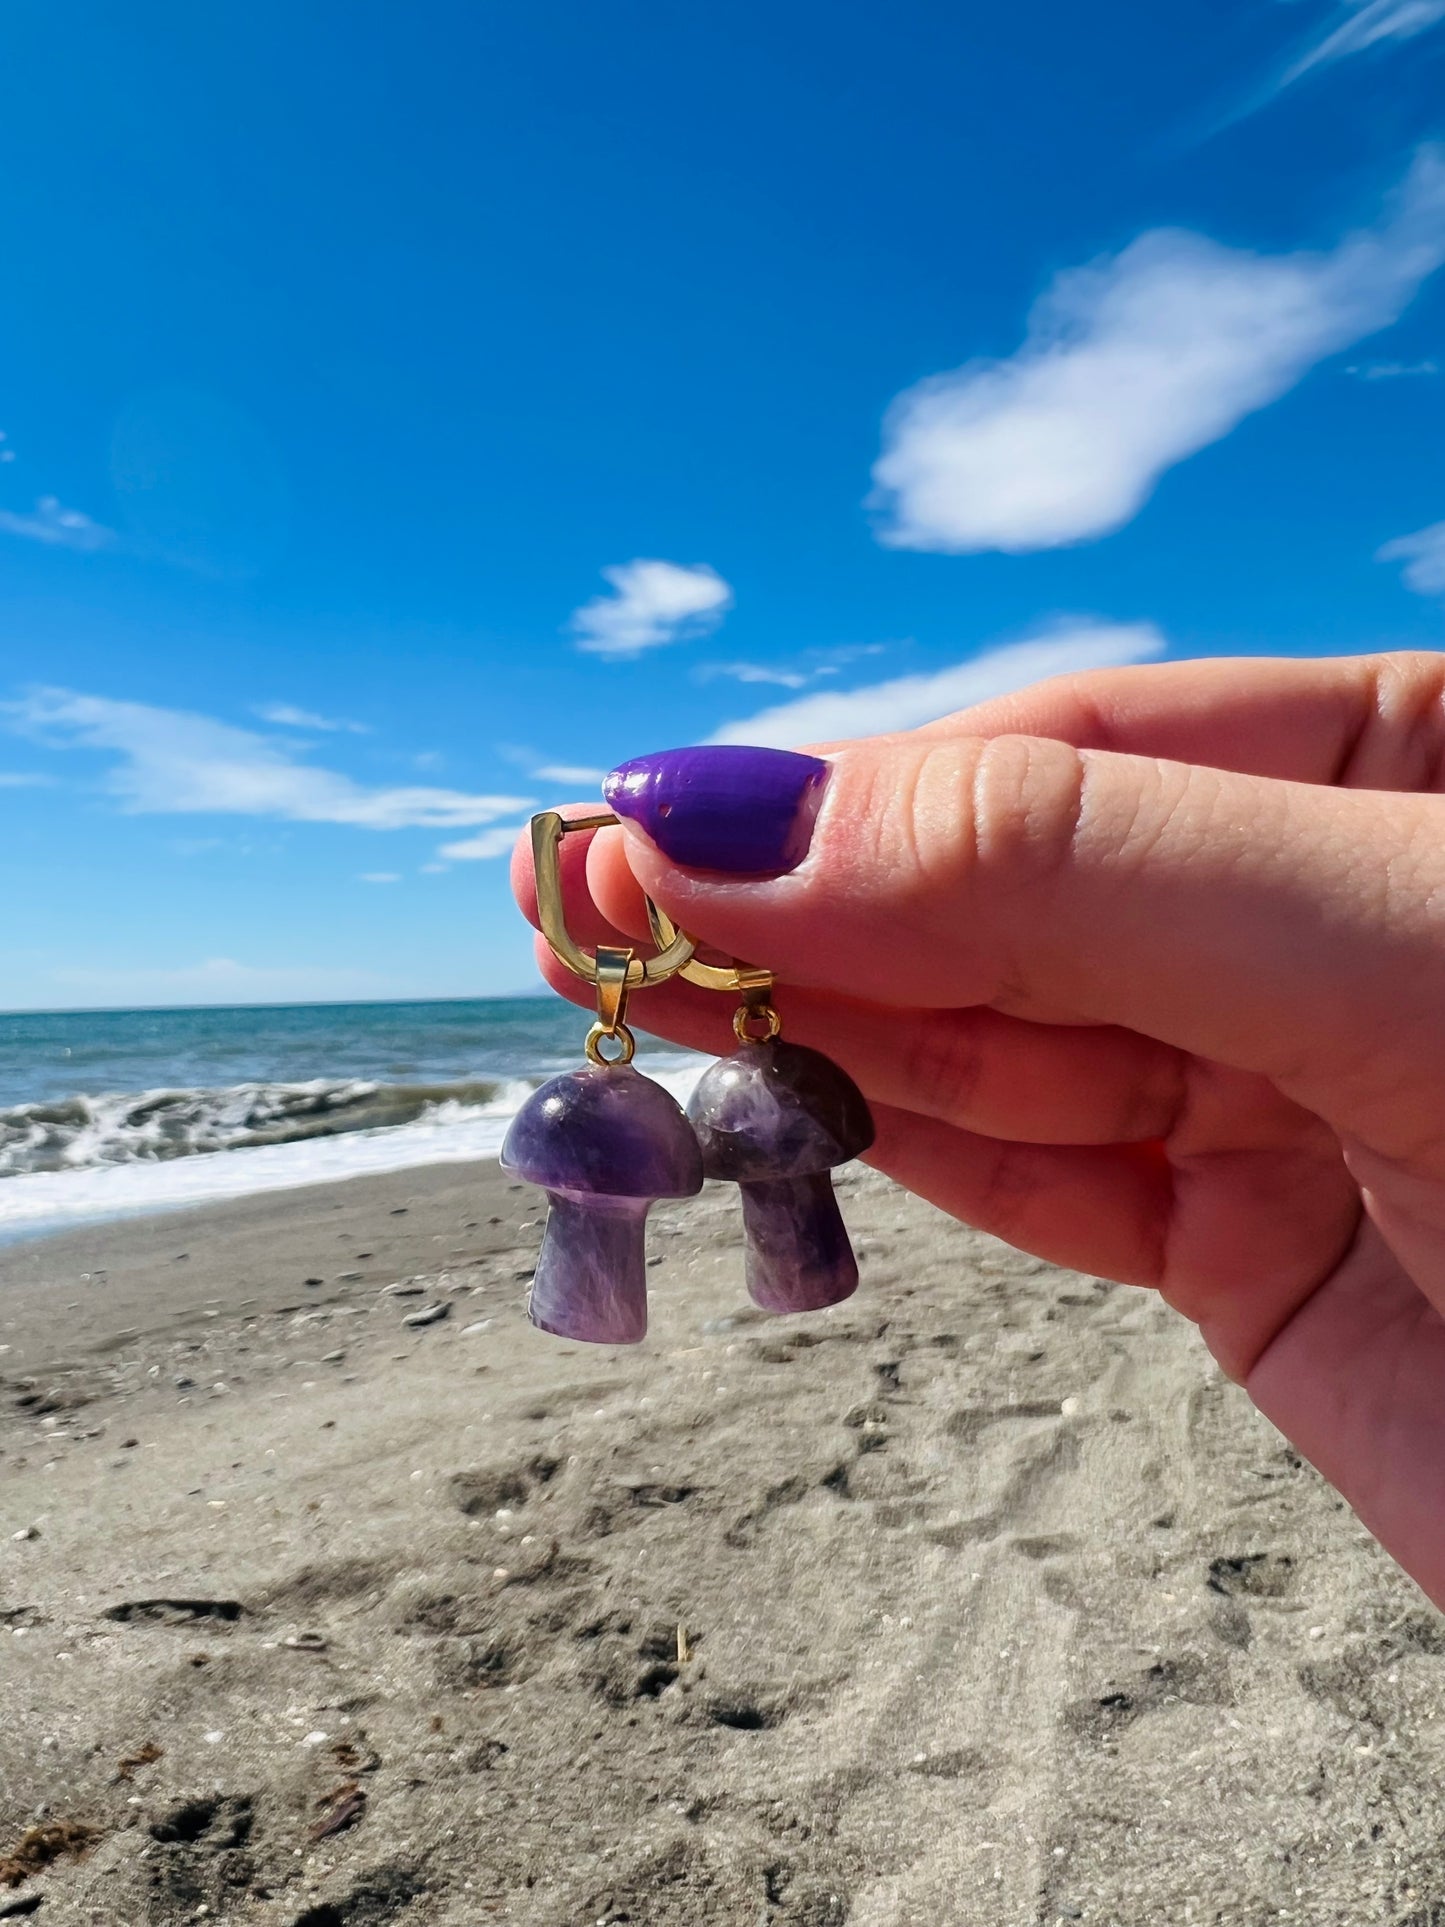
(603,1143)
(775,1118)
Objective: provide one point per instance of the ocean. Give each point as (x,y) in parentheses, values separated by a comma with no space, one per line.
(109,1113)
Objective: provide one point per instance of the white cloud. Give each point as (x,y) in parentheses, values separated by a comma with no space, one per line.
(1368,25)
(907,701)
(1392,370)
(379,876)
(175,762)
(15,779)
(568,773)
(652,603)
(53,523)
(485,845)
(1131,365)
(289,717)
(1423,555)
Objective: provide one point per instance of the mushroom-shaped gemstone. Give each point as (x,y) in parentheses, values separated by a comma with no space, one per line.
(775,1118)
(603,1143)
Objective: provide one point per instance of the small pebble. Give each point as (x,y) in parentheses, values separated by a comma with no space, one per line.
(428,1315)
(26,1532)
(332,1358)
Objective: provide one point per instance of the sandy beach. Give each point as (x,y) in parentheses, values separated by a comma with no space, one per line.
(331,1594)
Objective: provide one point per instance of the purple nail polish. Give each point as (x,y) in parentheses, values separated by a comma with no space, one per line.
(724,806)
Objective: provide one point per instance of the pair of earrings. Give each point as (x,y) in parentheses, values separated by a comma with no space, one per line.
(605,1142)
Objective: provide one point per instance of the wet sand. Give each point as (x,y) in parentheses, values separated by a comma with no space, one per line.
(982,1599)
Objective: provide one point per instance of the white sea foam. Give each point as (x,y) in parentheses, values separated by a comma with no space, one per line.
(112,1170)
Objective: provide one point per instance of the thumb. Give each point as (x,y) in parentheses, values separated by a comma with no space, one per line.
(1285,928)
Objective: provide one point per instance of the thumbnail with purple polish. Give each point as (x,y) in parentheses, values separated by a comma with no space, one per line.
(603,1143)
(724,806)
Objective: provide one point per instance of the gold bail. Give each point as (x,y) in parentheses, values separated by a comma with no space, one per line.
(612,966)
(756,987)
(612,987)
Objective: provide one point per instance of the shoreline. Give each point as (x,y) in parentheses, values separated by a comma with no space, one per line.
(211,1181)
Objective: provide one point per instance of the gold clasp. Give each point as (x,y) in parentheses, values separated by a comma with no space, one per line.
(548,829)
(615,972)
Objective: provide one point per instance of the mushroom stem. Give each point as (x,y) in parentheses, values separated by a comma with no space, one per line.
(799,1257)
(591,1276)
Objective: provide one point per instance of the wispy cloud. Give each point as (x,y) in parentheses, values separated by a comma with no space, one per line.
(62,528)
(1423,555)
(1131,365)
(23,779)
(906,701)
(1369,23)
(288,716)
(753,672)
(172,761)
(540,770)
(652,603)
(1392,370)
(379,876)
(810,667)
(568,773)
(484,846)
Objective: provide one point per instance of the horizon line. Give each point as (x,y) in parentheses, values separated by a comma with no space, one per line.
(276,1003)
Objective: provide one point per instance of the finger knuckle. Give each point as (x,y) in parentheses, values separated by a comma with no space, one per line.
(941,1069)
(1026,804)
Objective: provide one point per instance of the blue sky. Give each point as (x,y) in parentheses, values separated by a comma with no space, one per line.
(412,410)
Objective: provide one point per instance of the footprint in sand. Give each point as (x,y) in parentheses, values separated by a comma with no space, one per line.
(1189,1678)
(381,1897)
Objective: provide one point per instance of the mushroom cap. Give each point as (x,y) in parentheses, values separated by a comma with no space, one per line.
(605,1130)
(777,1110)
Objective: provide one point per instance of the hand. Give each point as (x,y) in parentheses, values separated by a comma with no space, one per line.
(1143,971)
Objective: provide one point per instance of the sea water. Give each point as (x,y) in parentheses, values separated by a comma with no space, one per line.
(108,1113)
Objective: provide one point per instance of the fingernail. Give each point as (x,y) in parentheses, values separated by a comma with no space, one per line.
(746,812)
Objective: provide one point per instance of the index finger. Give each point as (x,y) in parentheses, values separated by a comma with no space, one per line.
(1356,722)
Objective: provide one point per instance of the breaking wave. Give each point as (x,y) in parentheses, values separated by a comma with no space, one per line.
(78,1160)
(81,1133)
